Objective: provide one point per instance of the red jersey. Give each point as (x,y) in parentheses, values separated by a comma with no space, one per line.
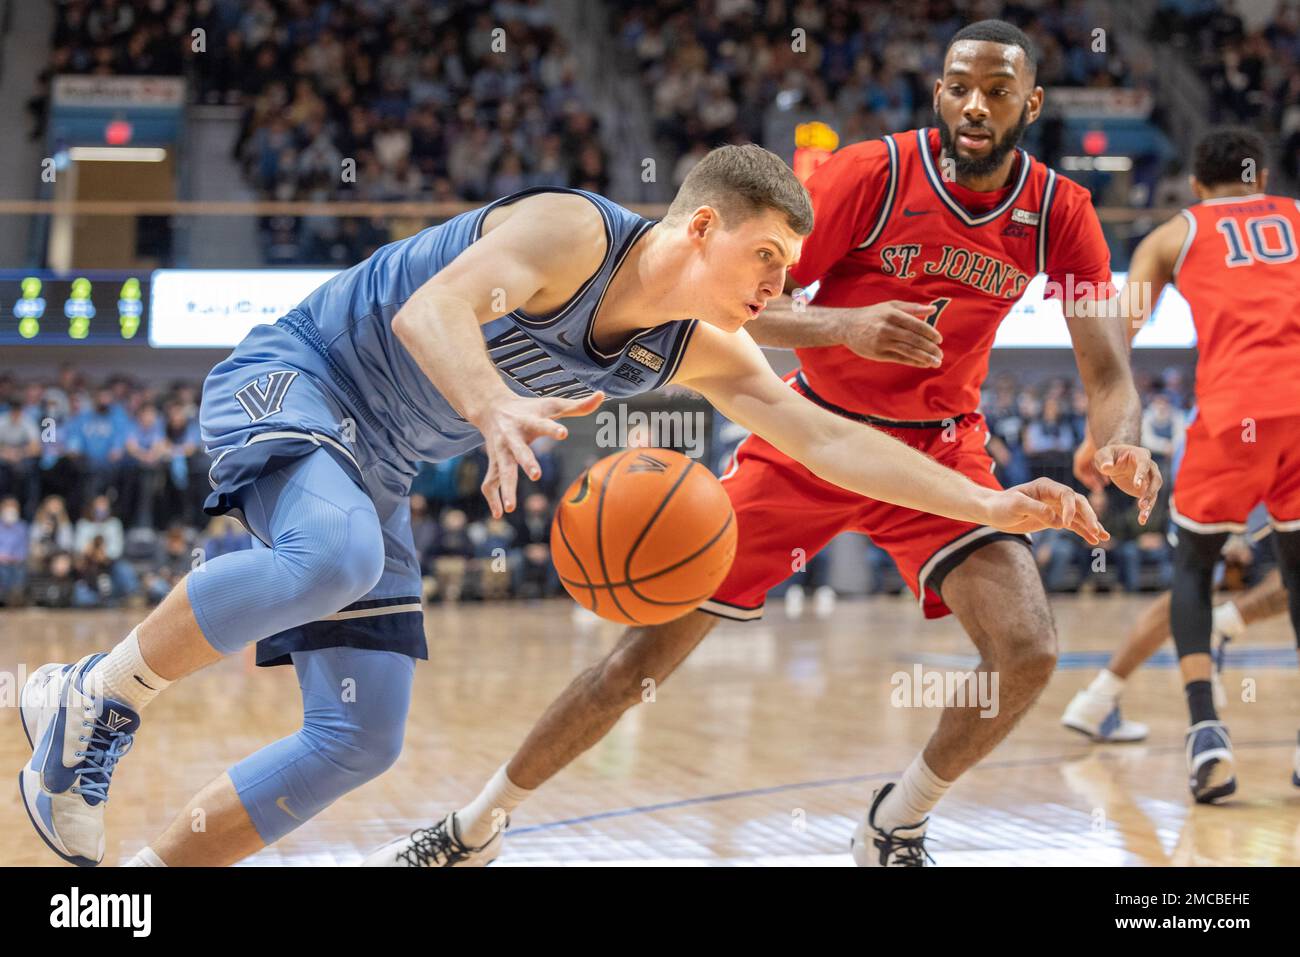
(888,227)
(1239,273)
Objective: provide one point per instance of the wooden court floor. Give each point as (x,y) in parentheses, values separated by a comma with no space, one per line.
(764,749)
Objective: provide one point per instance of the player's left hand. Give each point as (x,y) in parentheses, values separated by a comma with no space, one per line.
(1131,468)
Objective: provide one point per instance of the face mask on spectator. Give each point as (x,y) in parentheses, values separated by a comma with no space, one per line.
(101,513)
(9,516)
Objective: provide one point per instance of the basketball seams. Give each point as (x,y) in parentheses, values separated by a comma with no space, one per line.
(559,524)
(649,524)
(600,537)
(631,584)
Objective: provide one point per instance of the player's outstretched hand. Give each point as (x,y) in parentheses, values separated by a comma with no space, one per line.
(1042,504)
(508,427)
(1131,468)
(893,331)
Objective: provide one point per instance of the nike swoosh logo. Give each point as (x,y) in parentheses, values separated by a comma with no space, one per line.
(48,759)
(283,804)
(143,682)
(917,212)
(564,339)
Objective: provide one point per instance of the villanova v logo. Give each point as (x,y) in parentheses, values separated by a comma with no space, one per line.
(259,402)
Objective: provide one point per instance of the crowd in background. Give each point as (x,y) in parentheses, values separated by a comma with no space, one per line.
(1035,431)
(1252,75)
(745,70)
(477,99)
(369,100)
(102,487)
(380,100)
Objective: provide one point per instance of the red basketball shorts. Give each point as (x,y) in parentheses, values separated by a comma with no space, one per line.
(1223,477)
(786,515)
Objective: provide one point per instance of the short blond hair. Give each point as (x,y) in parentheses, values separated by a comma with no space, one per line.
(740,182)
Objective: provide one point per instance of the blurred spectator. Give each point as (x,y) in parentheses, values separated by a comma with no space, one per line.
(96,441)
(51,532)
(54,584)
(224,535)
(186,479)
(450,556)
(1050,442)
(1064,560)
(1163,428)
(144,467)
(14,546)
(99,521)
(1006,428)
(20,449)
(1142,551)
(534,574)
(99,541)
(172,562)
(496,556)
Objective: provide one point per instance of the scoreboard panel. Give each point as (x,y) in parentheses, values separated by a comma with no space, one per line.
(89,307)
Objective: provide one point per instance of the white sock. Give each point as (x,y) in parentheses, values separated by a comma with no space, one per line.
(478,820)
(146,858)
(123,675)
(1107,684)
(1228,620)
(912,798)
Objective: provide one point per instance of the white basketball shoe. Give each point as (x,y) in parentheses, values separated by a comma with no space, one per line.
(437,846)
(77,738)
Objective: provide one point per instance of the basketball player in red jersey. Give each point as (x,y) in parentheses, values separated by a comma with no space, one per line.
(1233,256)
(956,220)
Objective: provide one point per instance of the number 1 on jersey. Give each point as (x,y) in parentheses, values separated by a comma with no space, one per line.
(939,306)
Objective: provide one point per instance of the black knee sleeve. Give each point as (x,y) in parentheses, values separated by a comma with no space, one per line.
(1287,547)
(1191,612)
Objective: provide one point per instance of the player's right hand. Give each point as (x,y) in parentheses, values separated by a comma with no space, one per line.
(893,331)
(1042,504)
(508,427)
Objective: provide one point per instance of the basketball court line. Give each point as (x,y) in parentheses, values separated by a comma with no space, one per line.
(1267,658)
(1046,761)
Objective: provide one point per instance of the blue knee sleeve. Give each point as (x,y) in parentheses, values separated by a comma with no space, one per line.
(354,714)
(326,551)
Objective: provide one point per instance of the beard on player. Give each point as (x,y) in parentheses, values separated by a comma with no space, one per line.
(975,166)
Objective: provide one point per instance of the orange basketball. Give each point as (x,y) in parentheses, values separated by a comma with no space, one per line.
(643,536)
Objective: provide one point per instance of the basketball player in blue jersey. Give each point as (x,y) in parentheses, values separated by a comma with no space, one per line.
(487,329)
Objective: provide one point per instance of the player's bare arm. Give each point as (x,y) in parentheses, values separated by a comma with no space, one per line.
(518,263)
(1114,408)
(893,331)
(1150,269)
(730,371)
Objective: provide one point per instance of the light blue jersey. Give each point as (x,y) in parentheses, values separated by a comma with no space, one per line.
(332,375)
(348,322)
